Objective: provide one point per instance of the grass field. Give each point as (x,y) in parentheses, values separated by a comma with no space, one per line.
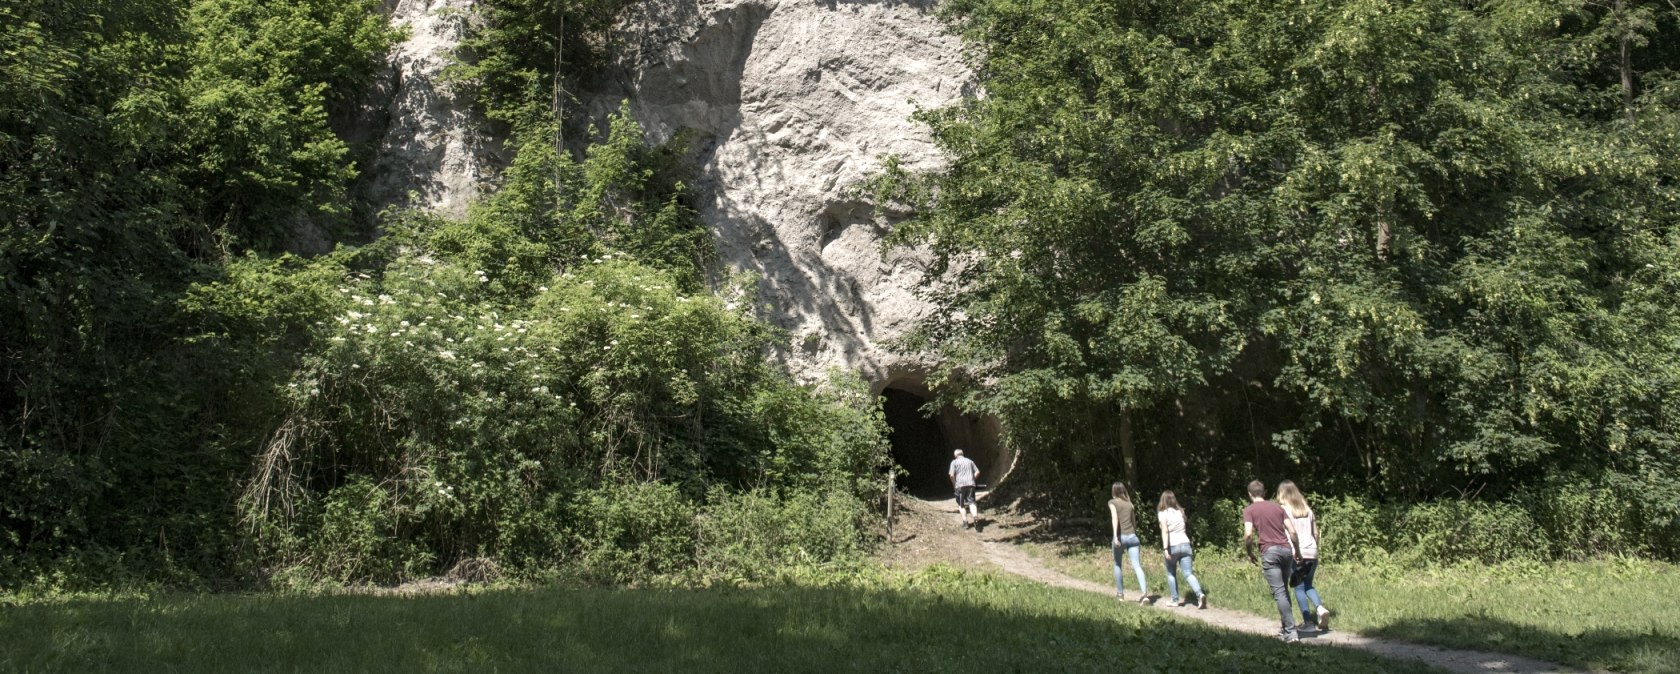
(938,621)
(1621,615)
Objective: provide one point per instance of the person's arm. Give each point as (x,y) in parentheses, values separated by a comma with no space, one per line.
(1318,538)
(1248,541)
(1114,523)
(1165,548)
(1289,530)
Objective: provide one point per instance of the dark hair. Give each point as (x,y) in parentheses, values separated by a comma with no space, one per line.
(1167,501)
(1257,489)
(1119,491)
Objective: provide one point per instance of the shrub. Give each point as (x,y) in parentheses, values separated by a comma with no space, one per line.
(355,537)
(634,532)
(1353,528)
(1584,520)
(1453,531)
(756,535)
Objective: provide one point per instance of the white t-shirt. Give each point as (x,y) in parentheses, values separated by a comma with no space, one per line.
(1173,520)
(1304,535)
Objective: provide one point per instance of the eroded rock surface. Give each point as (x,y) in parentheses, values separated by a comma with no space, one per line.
(795,103)
(792,103)
(434,152)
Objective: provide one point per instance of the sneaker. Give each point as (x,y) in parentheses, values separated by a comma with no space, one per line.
(1201,601)
(1306,621)
(1289,637)
(1323,619)
(1179,603)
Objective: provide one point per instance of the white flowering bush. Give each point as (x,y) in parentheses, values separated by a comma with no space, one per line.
(489,422)
(546,384)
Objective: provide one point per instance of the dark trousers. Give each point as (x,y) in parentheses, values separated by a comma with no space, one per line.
(1277,564)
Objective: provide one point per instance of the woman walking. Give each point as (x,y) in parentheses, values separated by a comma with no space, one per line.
(1306,530)
(1175,547)
(1122,518)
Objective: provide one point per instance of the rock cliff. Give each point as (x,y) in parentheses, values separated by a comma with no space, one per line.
(794,103)
(433,151)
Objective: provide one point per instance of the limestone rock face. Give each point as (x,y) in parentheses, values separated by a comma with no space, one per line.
(793,103)
(796,102)
(433,152)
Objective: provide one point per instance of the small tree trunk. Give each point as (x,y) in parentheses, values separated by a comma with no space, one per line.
(1624,39)
(1128,453)
(1383,236)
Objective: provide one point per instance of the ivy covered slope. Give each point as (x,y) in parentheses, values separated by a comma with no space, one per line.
(1408,250)
(546,387)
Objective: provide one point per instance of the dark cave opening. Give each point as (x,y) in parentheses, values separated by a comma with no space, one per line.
(919,445)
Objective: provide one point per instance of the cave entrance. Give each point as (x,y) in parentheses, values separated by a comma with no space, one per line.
(918,444)
(922,443)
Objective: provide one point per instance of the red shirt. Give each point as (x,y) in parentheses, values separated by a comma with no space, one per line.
(1267,518)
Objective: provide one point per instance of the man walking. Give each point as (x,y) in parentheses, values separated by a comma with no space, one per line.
(963,473)
(1278,550)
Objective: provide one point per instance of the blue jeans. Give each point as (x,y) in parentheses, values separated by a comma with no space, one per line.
(1276,566)
(1179,556)
(1304,590)
(1128,547)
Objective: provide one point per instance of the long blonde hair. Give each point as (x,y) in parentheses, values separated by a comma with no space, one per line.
(1291,499)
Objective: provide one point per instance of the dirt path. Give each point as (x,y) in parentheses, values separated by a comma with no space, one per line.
(930,531)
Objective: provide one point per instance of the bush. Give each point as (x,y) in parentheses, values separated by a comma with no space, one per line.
(755,535)
(1353,528)
(634,532)
(356,537)
(1586,520)
(1453,531)
(523,393)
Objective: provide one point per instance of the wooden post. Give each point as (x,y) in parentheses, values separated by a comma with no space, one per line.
(891,478)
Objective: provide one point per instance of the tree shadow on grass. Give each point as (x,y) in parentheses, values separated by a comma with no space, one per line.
(1615,649)
(968,623)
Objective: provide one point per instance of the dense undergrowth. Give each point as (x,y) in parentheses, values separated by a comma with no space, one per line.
(1400,254)
(1404,252)
(558,385)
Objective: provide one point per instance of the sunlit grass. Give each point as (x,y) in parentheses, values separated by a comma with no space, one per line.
(1617,614)
(939,621)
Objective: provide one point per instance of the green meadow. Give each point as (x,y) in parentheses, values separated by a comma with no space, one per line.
(936,621)
(1616,614)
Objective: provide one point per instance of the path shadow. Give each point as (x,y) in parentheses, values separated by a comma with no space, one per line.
(1594,648)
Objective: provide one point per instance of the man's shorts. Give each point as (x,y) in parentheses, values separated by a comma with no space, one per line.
(965,496)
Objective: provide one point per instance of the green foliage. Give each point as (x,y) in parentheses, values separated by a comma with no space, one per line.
(508,63)
(635,531)
(1461,530)
(1402,250)
(754,536)
(356,535)
(524,390)
(141,143)
(547,384)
